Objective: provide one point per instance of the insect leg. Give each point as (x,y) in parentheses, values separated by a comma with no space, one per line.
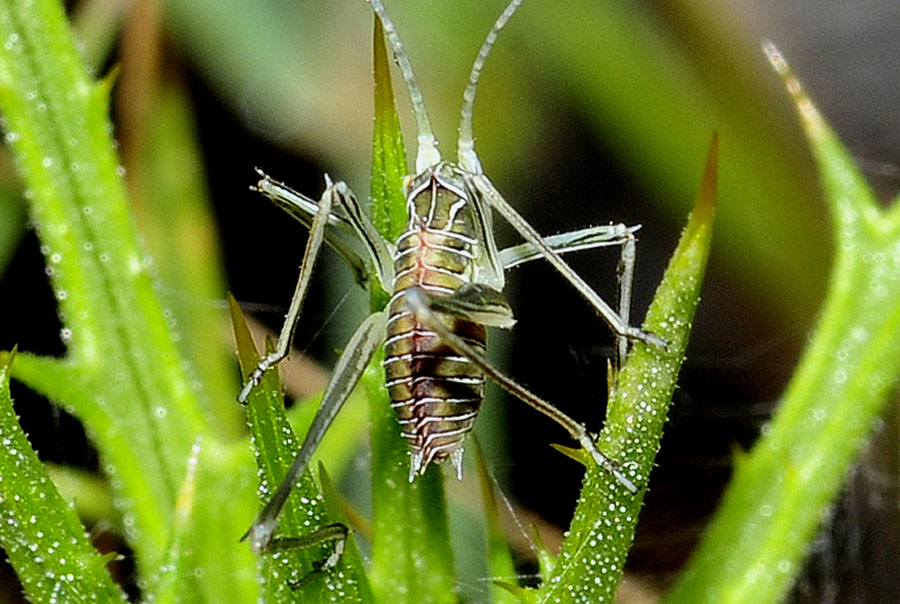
(478,303)
(298,205)
(574,241)
(380,255)
(421,304)
(626,280)
(336,532)
(484,187)
(349,368)
(348,225)
(313,245)
(586,239)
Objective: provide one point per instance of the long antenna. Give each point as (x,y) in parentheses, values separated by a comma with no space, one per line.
(465,147)
(427,154)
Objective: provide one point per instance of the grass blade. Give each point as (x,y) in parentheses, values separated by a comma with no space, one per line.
(39,530)
(388,152)
(593,554)
(167,181)
(412,558)
(781,490)
(12,224)
(174,584)
(123,375)
(276,445)
(499,557)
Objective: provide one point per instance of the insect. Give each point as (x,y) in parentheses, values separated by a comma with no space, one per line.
(446,277)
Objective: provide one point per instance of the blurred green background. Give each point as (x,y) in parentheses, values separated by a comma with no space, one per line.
(589,111)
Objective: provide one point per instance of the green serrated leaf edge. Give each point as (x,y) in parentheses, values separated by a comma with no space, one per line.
(39,531)
(780,491)
(592,558)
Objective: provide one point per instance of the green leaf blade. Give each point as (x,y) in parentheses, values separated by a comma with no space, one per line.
(125,441)
(412,560)
(593,555)
(225,498)
(388,152)
(39,531)
(168,187)
(115,328)
(781,490)
(499,557)
(175,583)
(275,446)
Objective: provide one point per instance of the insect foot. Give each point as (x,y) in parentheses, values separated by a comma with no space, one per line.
(254,379)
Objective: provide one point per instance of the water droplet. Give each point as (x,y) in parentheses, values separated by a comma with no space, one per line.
(134,265)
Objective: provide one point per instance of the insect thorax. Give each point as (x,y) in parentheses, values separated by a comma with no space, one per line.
(435,392)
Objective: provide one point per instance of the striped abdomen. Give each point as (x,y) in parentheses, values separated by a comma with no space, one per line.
(435,392)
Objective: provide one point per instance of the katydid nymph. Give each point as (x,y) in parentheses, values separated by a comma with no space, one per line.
(445,276)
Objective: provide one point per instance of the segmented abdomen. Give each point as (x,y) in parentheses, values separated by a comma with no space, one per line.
(435,392)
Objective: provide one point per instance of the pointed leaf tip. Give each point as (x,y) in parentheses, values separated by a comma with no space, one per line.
(812,119)
(522,594)
(592,557)
(842,179)
(103,88)
(40,532)
(705,206)
(579,455)
(388,151)
(411,553)
(776,59)
(706,199)
(6,359)
(248,355)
